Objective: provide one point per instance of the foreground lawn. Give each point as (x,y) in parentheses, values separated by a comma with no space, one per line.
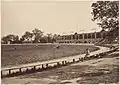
(103,70)
(22,54)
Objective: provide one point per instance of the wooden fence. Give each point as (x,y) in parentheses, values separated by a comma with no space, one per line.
(46,66)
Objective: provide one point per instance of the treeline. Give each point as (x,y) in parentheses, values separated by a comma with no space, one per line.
(36,36)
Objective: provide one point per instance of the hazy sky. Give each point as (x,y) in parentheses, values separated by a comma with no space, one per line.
(51,17)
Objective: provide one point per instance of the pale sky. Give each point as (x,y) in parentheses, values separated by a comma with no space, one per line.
(51,17)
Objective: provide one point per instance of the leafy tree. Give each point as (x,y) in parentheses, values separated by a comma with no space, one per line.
(27,36)
(10,38)
(37,35)
(44,39)
(55,36)
(106,13)
(49,37)
(21,40)
(4,40)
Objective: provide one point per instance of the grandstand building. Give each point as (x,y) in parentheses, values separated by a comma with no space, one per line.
(82,38)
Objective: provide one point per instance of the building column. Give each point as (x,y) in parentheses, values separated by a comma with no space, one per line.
(91,36)
(95,35)
(71,37)
(75,37)
(78,36)
(87,35)
(82,36)
(64,37)
(68,37)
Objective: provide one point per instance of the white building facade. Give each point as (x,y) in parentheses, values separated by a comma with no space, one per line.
(82,38)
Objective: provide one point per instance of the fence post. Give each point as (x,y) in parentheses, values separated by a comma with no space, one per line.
(20,70)
(65,62)
(9,71)
(62,62)
(73,60)
(58,63)
(42,66)
(46,65)
(34,67)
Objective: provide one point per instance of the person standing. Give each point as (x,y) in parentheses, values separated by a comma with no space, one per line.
(87,52)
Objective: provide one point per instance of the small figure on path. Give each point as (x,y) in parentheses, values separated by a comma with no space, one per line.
(87,52)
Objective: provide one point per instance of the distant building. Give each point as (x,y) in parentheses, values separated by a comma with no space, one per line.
(82,38)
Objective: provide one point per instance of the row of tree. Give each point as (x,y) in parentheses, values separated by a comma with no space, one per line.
(35,36)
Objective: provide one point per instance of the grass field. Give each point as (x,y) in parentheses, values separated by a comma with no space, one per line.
(104,70)
(12,55)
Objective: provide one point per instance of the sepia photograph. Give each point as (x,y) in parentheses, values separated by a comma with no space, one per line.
(59,42)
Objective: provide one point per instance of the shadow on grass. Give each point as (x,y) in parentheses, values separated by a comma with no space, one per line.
(100,77)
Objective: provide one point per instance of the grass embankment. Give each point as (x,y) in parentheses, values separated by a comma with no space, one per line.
(103,70)
(12,55)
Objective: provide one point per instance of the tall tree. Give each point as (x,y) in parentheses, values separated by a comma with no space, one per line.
(49,37)
(37,35)
(27,36)
(55,36)
(106,13)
